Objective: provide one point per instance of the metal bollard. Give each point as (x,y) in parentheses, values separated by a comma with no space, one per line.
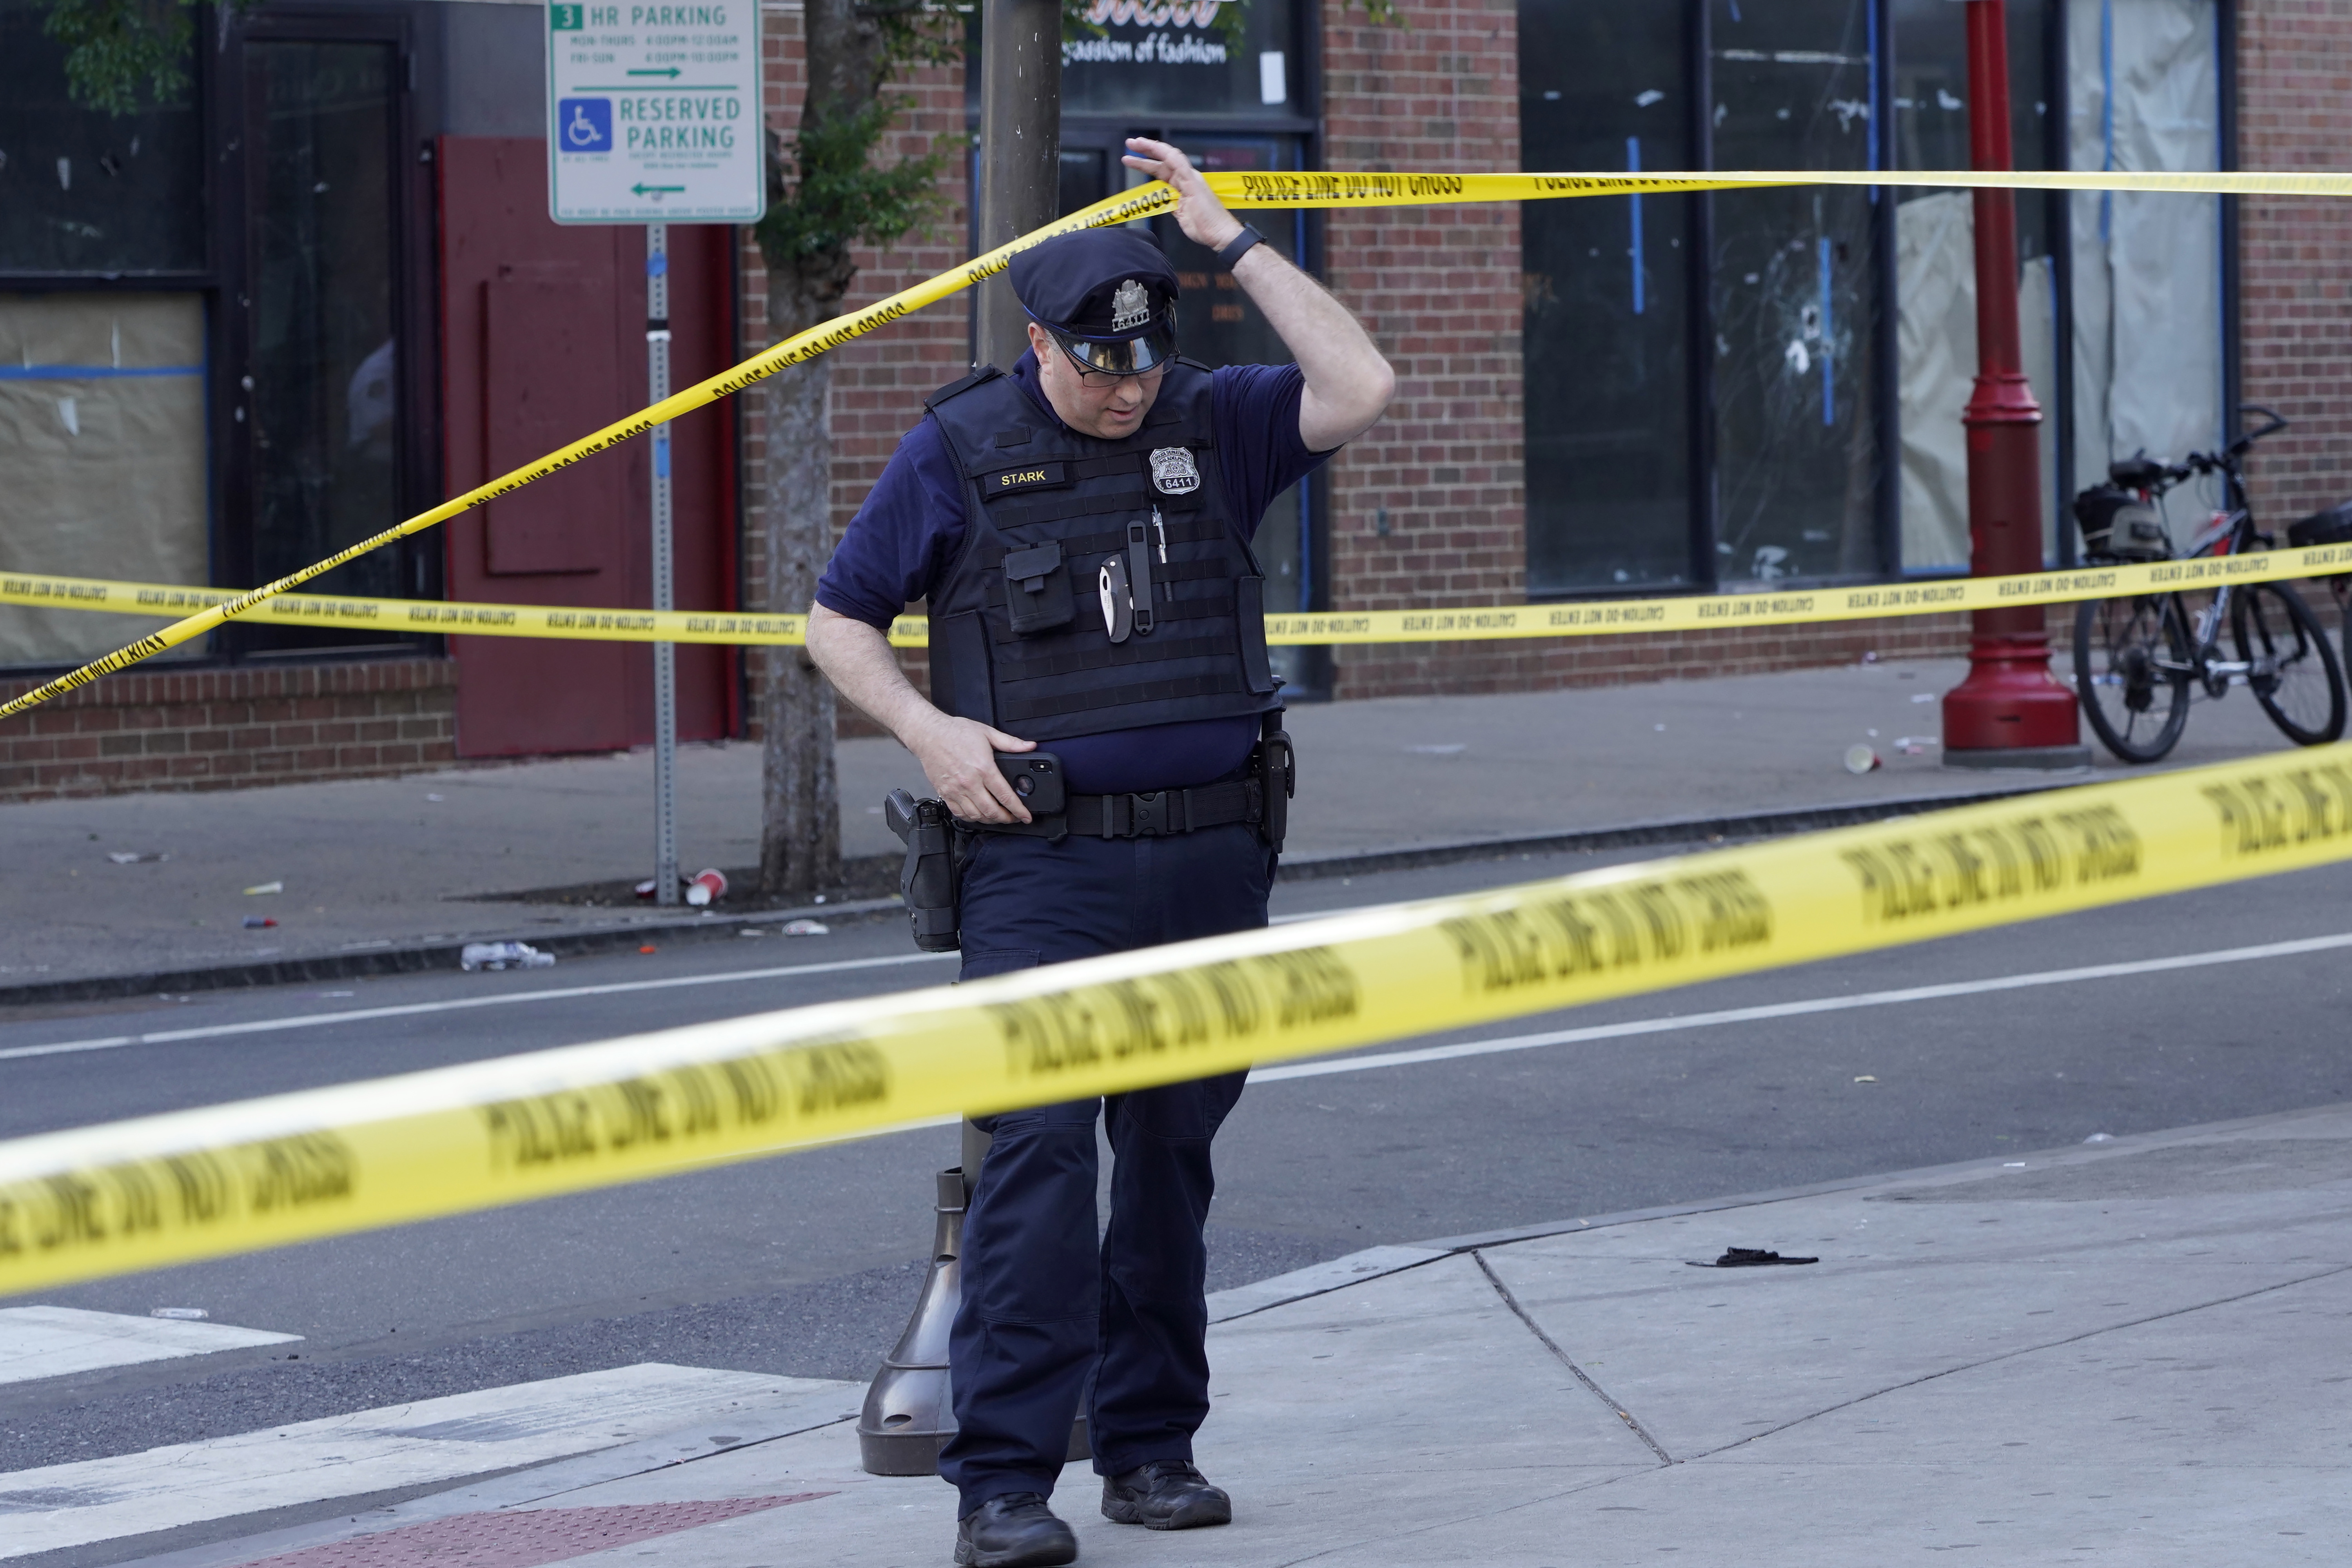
(910,1407)
(910,1411)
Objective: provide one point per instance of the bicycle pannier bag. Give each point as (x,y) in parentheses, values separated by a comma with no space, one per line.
(2333,526)
(2120,526)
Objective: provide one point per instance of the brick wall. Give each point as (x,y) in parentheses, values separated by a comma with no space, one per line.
(221,728)
(1439,287)
(880,380)
(2294,75)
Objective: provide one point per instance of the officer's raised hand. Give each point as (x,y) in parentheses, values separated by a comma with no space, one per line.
(1348,383)
(1198,213)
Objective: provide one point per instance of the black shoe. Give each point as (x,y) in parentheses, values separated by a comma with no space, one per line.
(1166,1494)
(1014,1532)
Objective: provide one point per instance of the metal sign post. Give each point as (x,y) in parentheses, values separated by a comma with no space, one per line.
(665,588)
(653,117)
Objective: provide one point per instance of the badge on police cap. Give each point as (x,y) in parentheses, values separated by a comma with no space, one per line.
(1130,307)
(1173,472)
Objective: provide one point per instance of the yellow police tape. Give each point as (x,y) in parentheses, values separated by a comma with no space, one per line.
(206,1184)
(1686,613)
(1301,189)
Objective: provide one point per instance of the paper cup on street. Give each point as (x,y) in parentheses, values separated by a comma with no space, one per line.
(1860,759)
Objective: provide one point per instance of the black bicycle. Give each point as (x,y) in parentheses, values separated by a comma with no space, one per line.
(2138,661)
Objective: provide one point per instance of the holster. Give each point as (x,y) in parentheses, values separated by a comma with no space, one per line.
(928,880)
(1277,768)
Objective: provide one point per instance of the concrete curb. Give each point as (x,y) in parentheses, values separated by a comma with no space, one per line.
(441,955)
(425,956)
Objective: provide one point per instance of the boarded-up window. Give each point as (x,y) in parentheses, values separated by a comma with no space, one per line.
(101,457)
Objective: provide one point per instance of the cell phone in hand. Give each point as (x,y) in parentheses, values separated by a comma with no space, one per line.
(1036,778)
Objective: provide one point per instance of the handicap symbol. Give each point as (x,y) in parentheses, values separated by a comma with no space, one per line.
(587,124)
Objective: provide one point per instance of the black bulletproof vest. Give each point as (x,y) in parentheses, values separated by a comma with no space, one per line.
(1019,635)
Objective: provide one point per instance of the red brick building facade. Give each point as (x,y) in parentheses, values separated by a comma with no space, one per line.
(1436,507)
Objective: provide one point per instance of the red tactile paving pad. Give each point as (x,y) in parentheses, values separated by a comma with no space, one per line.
(524,1538)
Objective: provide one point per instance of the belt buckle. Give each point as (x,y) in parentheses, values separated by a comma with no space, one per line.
(1149,814)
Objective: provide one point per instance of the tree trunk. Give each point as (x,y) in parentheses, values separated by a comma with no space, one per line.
(800,829)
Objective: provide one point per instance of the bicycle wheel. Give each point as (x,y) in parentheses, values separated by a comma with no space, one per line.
(2132,669)
(2297,677)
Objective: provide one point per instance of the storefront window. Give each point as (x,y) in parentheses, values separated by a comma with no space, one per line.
(1795,294)
(102,449)
(2143,96)
(1833,334)
(82,190)
(1936,269)
(323,354)
(1607,299)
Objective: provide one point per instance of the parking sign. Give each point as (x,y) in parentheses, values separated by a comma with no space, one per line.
(653,112)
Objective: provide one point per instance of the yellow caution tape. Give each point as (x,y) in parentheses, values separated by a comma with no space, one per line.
(1590,618)
(190,1184)
(1306,189)
(1317,189)
(446,617)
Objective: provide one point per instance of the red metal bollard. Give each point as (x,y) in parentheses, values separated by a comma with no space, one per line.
(2008,713)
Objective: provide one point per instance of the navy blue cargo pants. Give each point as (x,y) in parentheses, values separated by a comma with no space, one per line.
(1043,1303)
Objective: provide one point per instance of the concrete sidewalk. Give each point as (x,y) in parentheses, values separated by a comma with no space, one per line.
(404,864)
(2125,1351)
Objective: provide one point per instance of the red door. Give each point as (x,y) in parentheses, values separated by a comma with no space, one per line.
(544,341)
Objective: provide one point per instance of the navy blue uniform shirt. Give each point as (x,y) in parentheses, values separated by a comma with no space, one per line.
(903,540)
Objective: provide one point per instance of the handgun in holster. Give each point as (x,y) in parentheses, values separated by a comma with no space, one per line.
(927,880)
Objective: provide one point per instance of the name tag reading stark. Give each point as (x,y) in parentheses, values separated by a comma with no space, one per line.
(1006,479)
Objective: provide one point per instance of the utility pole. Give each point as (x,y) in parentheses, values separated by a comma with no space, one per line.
(1020,185)
(2008,713)
(1020,152)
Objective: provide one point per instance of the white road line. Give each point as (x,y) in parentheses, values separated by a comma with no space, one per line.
(1799,1009)
(413,1009)
(50,1342)
(503,999)
(370,1450)
(1260,1075)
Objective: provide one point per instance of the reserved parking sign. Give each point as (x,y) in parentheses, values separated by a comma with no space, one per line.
(653,112)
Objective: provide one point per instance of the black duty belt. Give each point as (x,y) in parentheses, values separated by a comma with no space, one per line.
(1159,813)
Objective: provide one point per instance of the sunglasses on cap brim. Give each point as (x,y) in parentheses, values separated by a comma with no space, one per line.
(1127,356)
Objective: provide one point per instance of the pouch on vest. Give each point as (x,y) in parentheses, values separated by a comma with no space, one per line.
(1038,589)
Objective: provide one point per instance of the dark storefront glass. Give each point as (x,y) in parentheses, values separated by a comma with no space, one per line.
(1931,99)
(82,190)
(1608,453)
(1220,325)
(323,357)
(1796,296)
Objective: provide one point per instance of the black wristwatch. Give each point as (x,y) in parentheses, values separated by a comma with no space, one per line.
(1238,246)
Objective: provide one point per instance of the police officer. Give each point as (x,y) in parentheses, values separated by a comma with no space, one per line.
(1080,528)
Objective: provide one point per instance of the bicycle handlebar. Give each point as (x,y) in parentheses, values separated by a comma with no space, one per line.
(2225,461)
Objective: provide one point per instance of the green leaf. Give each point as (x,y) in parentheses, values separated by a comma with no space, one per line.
(123,54)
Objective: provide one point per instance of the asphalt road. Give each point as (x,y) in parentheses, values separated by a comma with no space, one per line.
(807,1265)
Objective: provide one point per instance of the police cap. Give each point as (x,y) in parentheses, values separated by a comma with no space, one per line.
(1108,295)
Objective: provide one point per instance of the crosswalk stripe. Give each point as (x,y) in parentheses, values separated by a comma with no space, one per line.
(50,1342)
(369,1451)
